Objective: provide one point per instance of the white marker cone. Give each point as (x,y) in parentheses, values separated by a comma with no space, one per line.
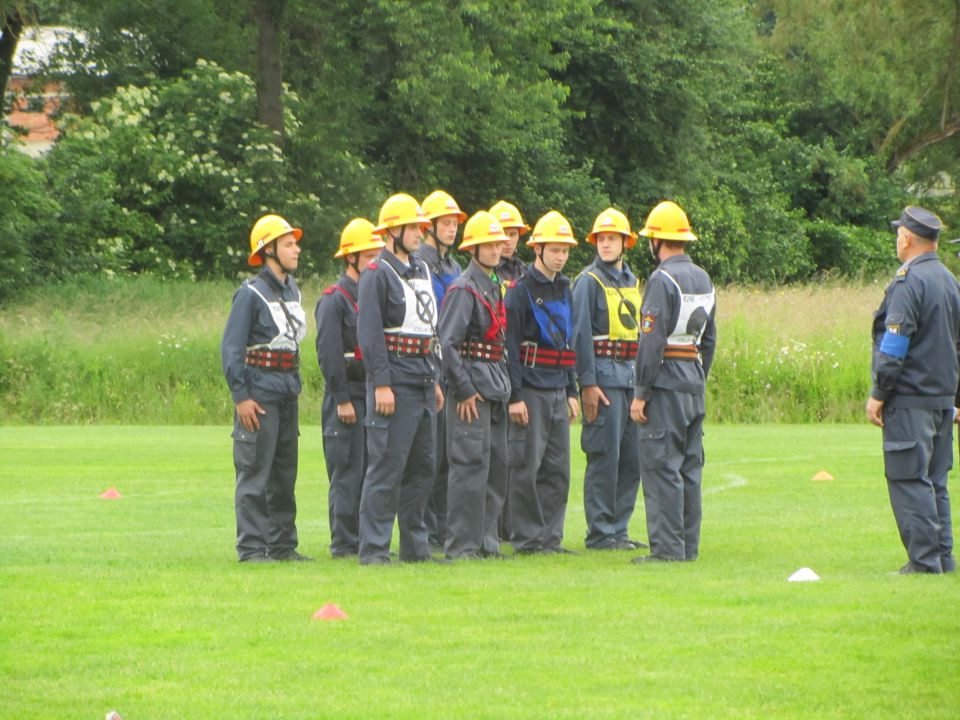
(804,575)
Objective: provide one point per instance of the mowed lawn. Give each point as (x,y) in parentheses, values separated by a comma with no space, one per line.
(138,604)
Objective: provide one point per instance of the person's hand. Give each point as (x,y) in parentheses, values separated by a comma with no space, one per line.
(438,394)
(518,413)
(956,415)
(247,411)
(638,411)
(592,396)
(346,413)
(573,408)
(384,402)
(467,409)
(875,411)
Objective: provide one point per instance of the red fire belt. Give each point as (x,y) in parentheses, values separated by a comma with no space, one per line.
(273,360)
(480,350)
(616,349)
(409,345)
(532,355)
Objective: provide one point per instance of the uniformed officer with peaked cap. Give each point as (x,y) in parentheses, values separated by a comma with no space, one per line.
(915,373)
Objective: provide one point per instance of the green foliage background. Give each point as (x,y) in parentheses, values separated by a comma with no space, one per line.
(146,351)
(790,131)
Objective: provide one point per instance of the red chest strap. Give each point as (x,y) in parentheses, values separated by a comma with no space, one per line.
(498,317)
(333,288)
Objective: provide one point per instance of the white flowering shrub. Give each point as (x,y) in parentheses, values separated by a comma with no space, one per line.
(167,179)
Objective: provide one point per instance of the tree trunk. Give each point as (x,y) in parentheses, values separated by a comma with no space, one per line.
(923,142)
(12,27)
(951,65)
(270,66)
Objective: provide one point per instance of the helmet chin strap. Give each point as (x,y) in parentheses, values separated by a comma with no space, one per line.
(442,247)
(478,261)
(655,244)
(618,258)
(272,254)
(398,242)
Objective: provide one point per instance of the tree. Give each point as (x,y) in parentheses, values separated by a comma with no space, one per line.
(268,14)
(13,22)
(881,77)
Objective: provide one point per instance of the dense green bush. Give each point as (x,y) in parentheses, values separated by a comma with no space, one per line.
(24,205)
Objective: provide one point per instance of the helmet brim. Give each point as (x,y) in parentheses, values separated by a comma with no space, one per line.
(256,260)
(631,238)
(686,236)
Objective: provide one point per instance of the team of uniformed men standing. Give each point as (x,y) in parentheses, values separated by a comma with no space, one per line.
(450,390)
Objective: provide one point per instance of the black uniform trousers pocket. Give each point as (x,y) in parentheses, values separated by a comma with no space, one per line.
(466,445)
(378,433)
(653,450)
(593,436)
(517,446)
(244,448)
(336,444)
(901,459)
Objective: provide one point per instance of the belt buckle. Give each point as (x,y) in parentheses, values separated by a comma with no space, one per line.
(433,346)
(531,359)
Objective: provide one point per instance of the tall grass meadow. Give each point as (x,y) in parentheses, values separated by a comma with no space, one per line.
(146,351)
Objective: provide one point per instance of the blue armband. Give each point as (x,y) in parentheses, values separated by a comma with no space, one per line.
(894,345)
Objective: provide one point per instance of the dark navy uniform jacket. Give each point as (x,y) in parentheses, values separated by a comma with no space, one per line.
(915,337)
(383,305)
(250,324)
(464,316)
(336,316)
(443,271)
(658,316)
(511,269)
(522,326)
(590,318)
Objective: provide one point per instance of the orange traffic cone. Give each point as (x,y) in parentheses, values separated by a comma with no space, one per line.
(111,494)
(329,612)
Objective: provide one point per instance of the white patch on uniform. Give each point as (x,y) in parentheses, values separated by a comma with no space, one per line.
(285,338)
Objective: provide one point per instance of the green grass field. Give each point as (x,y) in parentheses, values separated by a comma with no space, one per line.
(138,604)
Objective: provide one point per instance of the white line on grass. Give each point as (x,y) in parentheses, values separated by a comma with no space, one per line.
(733,481)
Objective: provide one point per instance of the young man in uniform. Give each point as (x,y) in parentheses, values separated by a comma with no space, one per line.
(606,309)
(444,216)
(472,334)
(543,391)
(915,372)
(511,267)
(260,355)
(677,339)
(345,392)
(396,328)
